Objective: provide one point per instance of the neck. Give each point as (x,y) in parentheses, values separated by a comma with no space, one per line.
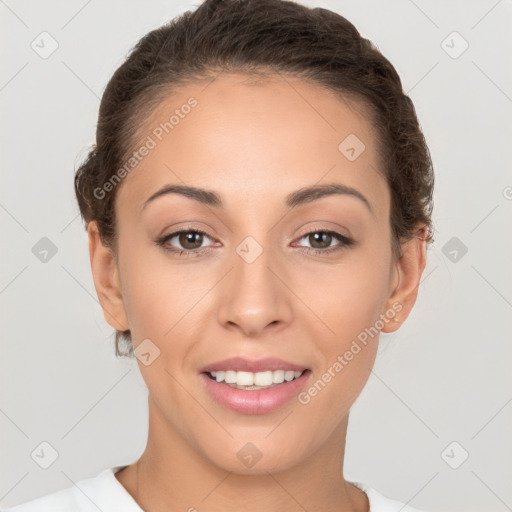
(172,475)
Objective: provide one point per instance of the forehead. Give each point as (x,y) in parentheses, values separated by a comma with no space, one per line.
(255,139)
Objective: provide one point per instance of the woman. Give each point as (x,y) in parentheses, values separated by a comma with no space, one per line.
(258,204)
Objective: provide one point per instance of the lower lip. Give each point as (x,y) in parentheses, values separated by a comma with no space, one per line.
(255,401)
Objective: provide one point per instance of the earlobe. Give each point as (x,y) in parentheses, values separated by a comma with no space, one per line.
(106,280)
(409,268)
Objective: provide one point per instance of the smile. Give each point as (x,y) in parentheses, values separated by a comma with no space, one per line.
(254,398)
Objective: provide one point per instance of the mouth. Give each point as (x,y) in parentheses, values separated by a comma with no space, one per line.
(251,381)
(254,387)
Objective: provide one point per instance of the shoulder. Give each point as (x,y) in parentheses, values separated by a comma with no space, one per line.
(380,503)
(56,501)
(102,492)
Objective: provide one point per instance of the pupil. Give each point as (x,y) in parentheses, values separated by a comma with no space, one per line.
(320,236)
(185,238)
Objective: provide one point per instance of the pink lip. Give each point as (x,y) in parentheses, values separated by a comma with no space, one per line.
(248,365)
(255,401)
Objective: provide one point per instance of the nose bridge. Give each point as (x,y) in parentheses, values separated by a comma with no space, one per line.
(254,296)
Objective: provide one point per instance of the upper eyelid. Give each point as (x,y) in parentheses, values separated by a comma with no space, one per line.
(186,230)
(321,230)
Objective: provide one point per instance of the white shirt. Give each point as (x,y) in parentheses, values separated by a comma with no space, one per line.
(104,492)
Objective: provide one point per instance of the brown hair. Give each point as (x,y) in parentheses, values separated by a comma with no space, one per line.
(259,37)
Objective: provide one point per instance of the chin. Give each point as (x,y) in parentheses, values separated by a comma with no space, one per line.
(257,457)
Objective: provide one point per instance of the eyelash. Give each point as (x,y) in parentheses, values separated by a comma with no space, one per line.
(161,242)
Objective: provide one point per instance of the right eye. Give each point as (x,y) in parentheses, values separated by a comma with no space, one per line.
(189,239)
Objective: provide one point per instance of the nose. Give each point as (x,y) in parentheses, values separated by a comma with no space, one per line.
(255,297)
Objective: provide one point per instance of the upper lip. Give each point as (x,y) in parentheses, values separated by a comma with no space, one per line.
(252,365)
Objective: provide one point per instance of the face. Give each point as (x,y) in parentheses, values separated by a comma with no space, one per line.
(263,269)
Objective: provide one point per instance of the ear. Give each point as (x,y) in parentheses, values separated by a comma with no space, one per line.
(106,280)
(406,279)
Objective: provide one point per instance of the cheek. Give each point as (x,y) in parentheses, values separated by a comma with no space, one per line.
(152,292)
(164,300)
(348,296)
(350,306)
(348,348)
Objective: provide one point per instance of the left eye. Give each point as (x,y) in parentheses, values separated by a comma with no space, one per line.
(321,240)
(189,240)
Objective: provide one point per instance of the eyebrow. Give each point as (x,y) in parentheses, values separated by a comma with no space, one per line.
(294,199)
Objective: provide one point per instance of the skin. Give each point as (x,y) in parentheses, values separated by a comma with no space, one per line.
(252,143)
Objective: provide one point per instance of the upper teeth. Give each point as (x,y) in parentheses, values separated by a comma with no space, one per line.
(266,378)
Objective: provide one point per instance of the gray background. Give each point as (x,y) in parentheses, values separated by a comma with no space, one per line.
(443,377)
